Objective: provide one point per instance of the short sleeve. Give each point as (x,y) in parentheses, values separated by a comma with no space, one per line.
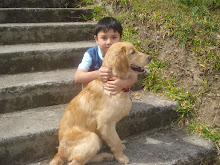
(86,62)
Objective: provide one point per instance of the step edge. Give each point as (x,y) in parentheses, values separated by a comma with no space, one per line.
(60,109)
(34,47)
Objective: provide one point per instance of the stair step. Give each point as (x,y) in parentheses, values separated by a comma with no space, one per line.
(26,135)
(170,146)
(39,15)
(33,134)
(20,33)
(30,90)
(42,56)
(163,147)
(38,3)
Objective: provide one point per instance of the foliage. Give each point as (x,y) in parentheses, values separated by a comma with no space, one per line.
(195,24)
(210,4)
(158,84)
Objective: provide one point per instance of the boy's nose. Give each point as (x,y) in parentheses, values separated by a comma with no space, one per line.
(109,41)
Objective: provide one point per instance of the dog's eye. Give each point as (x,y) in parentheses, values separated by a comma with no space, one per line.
(133,52)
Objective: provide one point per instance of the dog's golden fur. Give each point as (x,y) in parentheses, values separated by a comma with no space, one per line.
(92,115)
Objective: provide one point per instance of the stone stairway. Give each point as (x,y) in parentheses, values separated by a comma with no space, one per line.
(41,44)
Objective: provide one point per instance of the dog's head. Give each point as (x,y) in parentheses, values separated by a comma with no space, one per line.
(122,57)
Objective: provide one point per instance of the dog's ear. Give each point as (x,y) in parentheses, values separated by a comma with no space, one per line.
(120,65)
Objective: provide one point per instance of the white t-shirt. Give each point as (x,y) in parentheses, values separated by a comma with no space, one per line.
(87,60)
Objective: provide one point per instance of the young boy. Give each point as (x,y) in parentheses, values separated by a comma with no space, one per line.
(107,32)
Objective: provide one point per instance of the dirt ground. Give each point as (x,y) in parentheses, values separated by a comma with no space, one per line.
(185,66)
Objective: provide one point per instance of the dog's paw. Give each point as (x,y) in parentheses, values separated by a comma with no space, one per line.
(108,157)
(123,159)
(73,163)
(124,141)
(123,147)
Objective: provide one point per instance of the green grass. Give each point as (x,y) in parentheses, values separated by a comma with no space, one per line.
(189,21)
(156,83)
(194,24)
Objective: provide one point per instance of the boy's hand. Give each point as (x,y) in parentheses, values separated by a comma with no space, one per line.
(104,74)
(114,85)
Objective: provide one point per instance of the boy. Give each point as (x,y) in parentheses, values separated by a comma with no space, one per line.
(107,31)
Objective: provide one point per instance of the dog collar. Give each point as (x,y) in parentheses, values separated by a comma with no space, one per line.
(125,90)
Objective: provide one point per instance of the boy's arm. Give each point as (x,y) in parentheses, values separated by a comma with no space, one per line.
(116,84)
(83,76)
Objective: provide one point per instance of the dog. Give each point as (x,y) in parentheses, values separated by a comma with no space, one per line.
(92,115)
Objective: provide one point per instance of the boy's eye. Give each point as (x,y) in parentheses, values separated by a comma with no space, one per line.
(114,37)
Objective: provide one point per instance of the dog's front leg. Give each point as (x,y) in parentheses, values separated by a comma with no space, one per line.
(110,136)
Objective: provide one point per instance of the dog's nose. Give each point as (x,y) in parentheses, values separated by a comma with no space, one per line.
(149,58)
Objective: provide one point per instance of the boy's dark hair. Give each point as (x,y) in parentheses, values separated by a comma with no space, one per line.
(108,23)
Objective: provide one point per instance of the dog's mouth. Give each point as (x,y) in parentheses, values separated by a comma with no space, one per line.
(138,69)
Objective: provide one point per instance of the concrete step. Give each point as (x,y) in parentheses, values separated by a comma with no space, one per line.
(40,15)
(168,146)
(20,33)
(163,146)
(42,56)
(33,134)
(30,90)
(38,3)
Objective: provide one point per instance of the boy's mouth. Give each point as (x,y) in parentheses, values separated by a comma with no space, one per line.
(138,69)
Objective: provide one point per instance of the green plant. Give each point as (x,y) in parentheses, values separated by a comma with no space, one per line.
(153,82)
(205,131)
(99,12)
(211,4)
(85,3)
(195,24)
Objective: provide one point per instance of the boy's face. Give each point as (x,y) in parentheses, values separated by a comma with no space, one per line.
(105,39)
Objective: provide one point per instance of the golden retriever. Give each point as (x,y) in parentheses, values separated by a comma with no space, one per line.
(93,114)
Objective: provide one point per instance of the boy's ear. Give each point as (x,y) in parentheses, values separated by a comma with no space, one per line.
(120,38)
(96,38)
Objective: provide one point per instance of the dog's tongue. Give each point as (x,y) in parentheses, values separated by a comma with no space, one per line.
(143,69)
(139,69)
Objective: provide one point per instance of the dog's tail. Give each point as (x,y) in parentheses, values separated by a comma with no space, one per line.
(57,160)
